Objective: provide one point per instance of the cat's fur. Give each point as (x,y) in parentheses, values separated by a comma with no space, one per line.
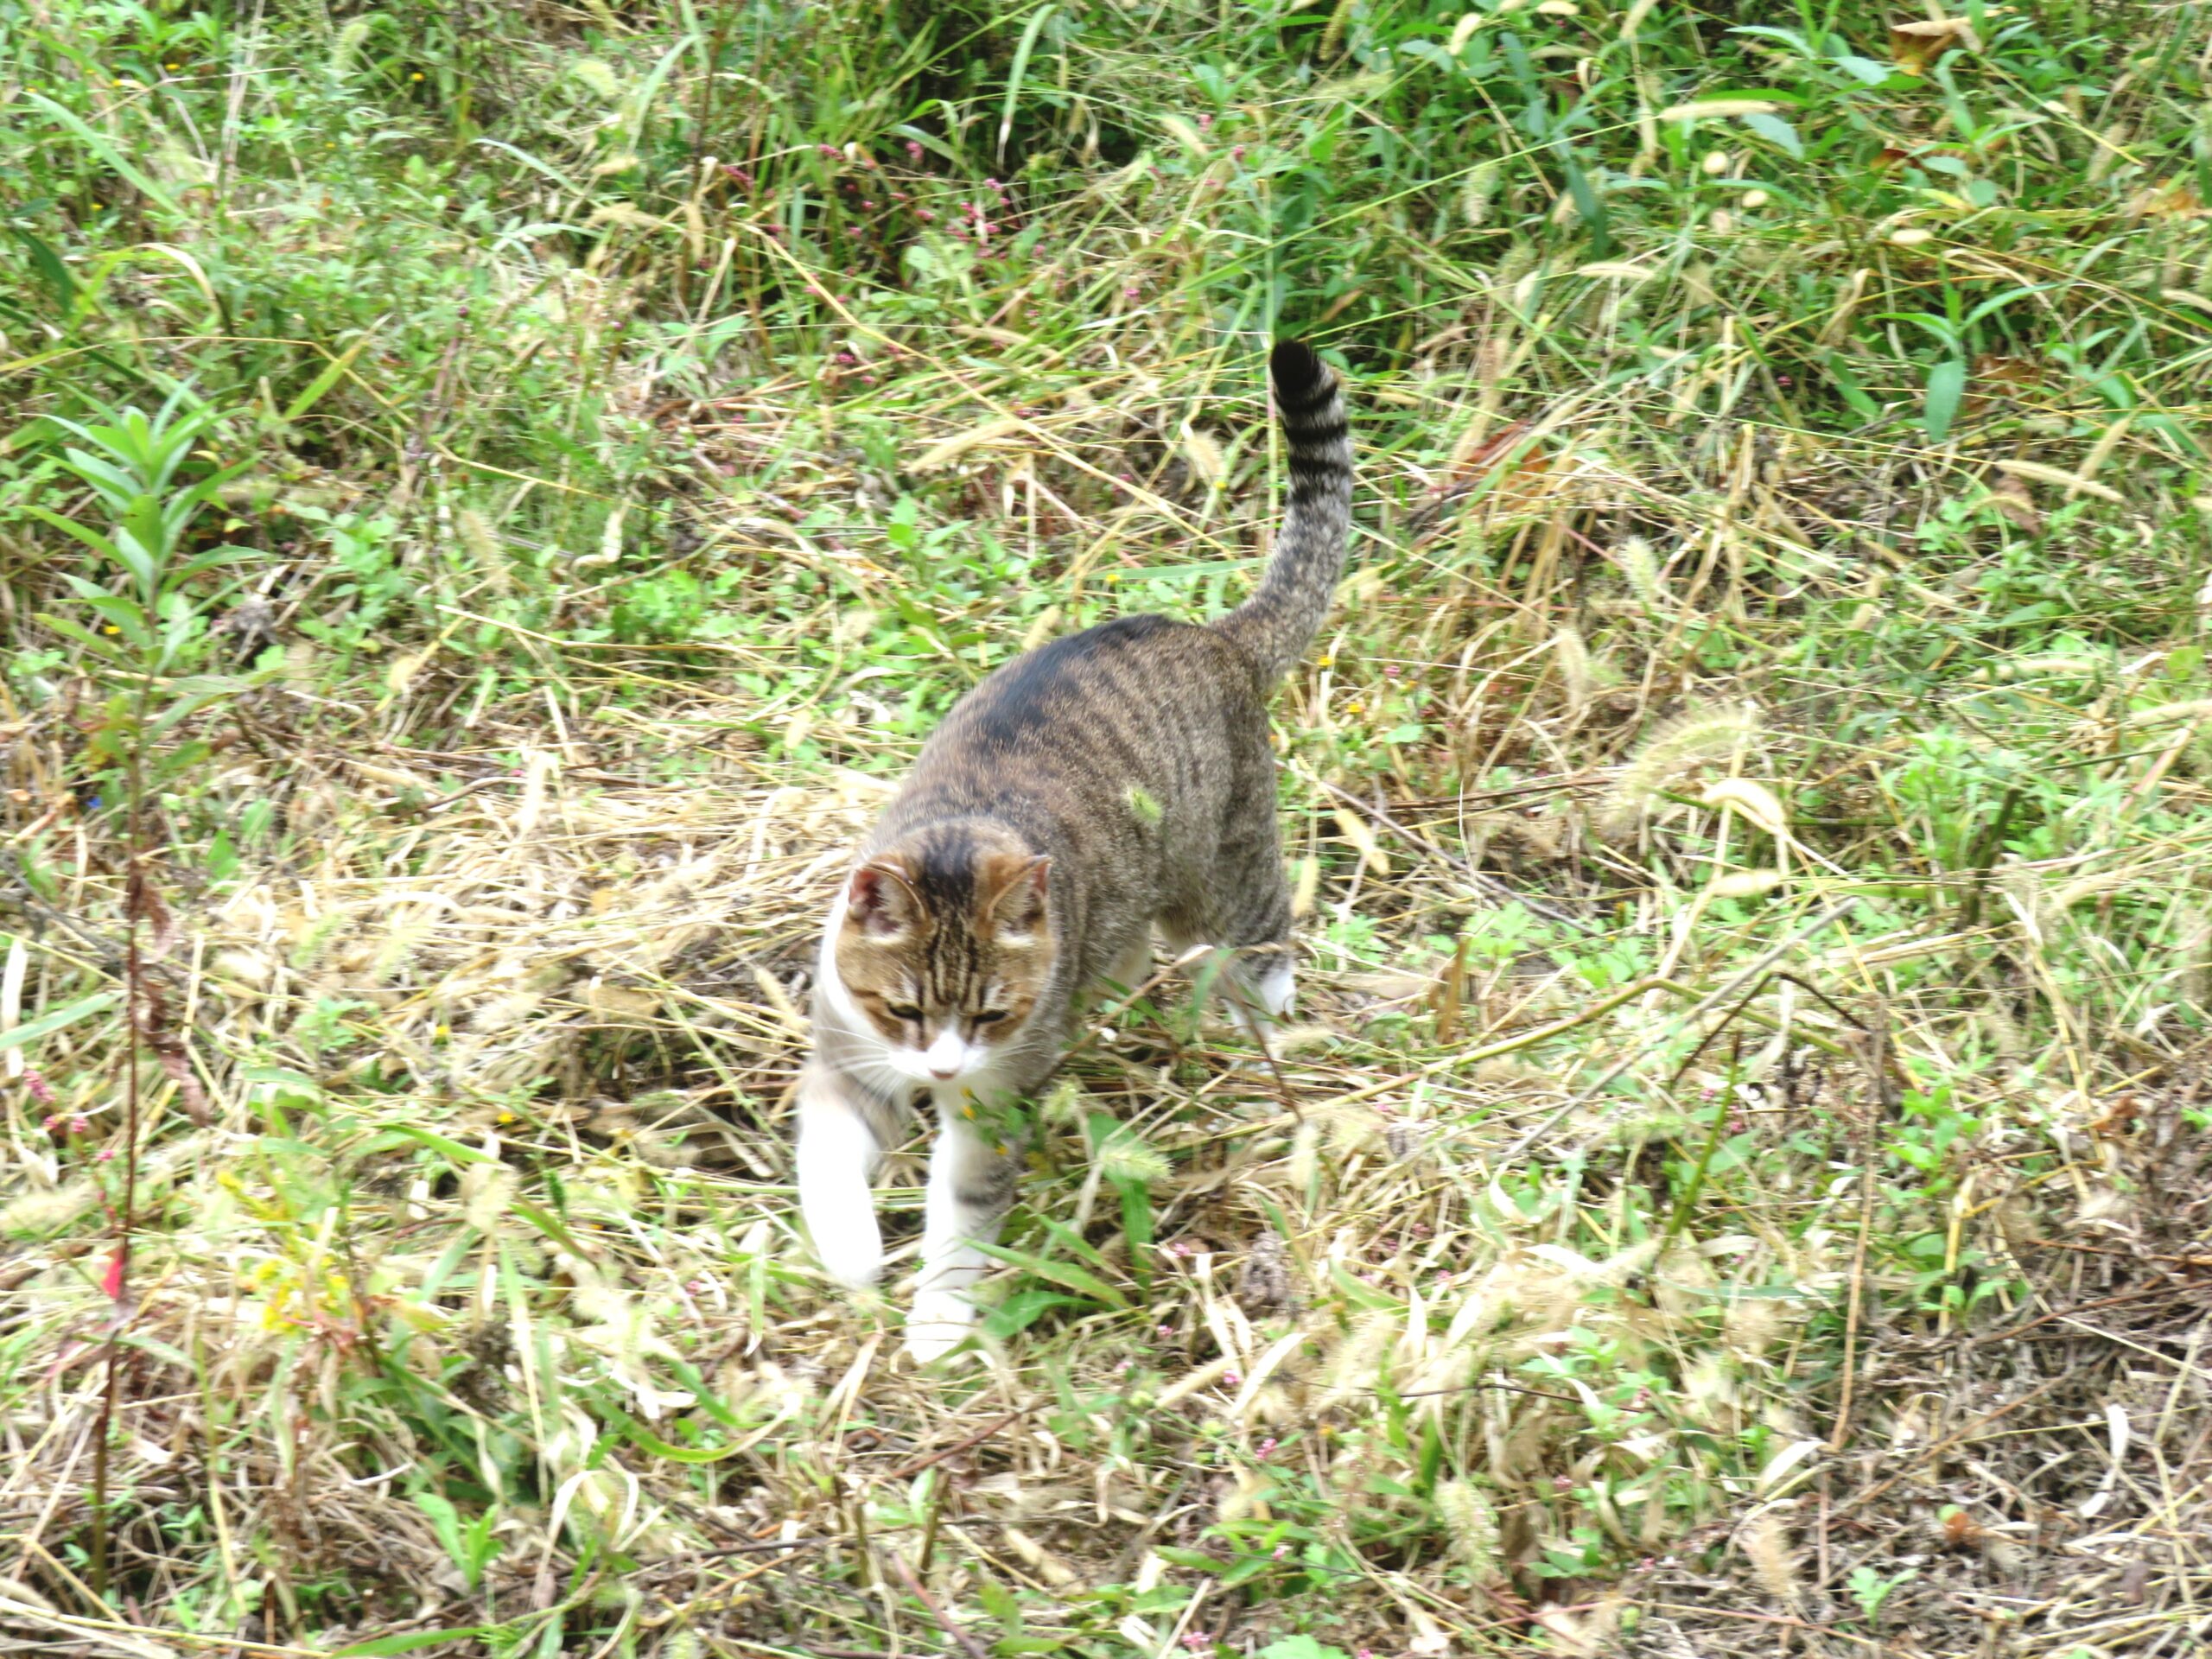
(1093,789)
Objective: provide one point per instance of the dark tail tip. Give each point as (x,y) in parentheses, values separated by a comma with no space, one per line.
(1302,379)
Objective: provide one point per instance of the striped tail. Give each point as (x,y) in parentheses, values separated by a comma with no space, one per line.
(1275,626)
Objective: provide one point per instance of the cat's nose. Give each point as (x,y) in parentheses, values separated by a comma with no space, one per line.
(941,1072)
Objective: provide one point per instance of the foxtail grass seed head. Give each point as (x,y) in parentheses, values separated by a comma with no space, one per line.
(1691,739)
(1471,1524)
(1766,1545)
(1124,1156)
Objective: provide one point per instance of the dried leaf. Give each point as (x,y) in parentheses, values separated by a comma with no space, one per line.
(1356,832)
(143,902)
(1915,46)
(951,450)
(1704,109)
(2072,483)
(1754,801)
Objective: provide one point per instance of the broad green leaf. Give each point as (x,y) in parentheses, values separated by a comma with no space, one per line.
(407,1642)
(322,382)
(430,1138)
(1020,68)
(47,1024)
(1775,130)
(1947,384)
(1023,1309)
(102,146)
(1059,1273)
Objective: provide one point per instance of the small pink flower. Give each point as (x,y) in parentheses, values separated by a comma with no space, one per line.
(1281,1551)
(106,1154)
(826,149)
(1230,1379)
(81,1124)
(42,1090)
(1163,1331)
(1196,1641)
(1267,1446)
(991,184)
(865,206)
(1238,154)
(914,148)
(1129,290)
(925,216)
(1205,123)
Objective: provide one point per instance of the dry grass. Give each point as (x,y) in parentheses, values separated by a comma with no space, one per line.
(1741,1187)
(522,1163)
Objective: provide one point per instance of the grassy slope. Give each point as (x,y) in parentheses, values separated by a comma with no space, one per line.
(651,421)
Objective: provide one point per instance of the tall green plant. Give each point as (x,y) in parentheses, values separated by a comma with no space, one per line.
(147,592)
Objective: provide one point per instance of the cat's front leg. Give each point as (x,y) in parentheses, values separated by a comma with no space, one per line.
(838,1150)
(970,1189)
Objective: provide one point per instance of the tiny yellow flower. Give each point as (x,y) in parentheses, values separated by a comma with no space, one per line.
(417,75)
(1355,707)
(172,68)
(1328,661)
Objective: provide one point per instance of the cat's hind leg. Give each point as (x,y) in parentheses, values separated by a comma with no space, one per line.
(1131,969)
(1261,983)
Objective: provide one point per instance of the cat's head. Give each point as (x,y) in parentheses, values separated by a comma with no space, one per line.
(945,947)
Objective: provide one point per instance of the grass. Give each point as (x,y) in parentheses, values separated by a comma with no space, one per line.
(1742,1181)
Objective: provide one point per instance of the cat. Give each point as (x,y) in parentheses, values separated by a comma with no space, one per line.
(1089,790)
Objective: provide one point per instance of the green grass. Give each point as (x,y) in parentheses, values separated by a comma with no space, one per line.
(617,436)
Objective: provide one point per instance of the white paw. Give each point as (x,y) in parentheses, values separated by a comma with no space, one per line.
(856,1264)
(941,1321)
(851,1249)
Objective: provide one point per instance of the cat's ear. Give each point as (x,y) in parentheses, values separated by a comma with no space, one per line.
(880,901)
(1014,886)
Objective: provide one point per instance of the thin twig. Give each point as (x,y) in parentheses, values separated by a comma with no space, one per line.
(969,1644)
(1704,1005)
(1487,882)
(908,1471)
(1877,1049)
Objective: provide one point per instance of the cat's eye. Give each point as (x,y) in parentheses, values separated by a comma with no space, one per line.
(901,1011)
(989,1017)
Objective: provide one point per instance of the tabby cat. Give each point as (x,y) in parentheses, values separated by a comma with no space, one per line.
(1088,792)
